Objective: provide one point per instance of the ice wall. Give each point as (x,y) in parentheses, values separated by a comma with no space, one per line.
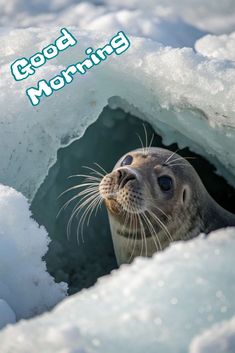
(156,305)
(186,97)
(26,288)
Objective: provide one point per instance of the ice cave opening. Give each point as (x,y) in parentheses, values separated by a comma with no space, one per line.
(105,141)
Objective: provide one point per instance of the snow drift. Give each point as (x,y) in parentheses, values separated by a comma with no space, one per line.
(153,305)
(26,288)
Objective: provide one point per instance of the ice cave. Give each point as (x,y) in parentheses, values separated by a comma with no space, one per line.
(62,294)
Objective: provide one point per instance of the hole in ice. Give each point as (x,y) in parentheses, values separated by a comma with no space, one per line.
(112,135)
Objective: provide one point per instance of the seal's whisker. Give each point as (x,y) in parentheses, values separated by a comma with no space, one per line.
(77,208)
(126,216)
(158,208)
(151,229)
(83,217)
(144,241)
(136,215)
(65,205)
(181,164)
(99,199)
(132,234)
(180,158)
(162,225)
(131,226)
(69,222)
(94,171)
(151,141)
(86,198)
(88,190)
(98,165)
(99,205)
(146,139)
(169,158)
(138,221)
(76,187)
(87,213)
(142,145)
(84,176)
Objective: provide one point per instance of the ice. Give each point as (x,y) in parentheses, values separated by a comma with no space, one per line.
(26,288)
(220,338)
(154,305)
(218,47)
(7,315)
(187,98)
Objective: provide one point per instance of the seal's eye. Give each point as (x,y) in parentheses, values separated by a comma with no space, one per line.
(165,183)
(127,160)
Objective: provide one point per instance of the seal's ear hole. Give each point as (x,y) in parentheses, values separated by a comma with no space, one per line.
(185,194)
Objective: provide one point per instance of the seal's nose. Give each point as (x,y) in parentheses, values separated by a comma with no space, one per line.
(124,175)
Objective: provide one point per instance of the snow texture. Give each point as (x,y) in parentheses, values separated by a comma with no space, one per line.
(26,288)
(163,303)
(218,47)
(215,17)
(220,338)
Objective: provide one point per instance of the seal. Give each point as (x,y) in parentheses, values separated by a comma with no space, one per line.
(155,197)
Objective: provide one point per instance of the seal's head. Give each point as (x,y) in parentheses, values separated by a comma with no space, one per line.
(148,181)
(153,193)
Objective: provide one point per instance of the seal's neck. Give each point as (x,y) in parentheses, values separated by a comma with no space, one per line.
(217,217)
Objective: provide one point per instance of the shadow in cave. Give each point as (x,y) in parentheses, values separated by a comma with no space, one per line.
(104,142)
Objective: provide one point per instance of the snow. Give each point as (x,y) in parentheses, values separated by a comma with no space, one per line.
(218,47)
(104,19)
(26,288)
(210,16)
(220,338)
(163,303)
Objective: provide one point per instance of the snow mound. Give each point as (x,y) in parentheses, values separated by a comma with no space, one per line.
(110,20)
(220,339)
(26,288)
(218,47)
(161,302)
(210,16)
(213,16)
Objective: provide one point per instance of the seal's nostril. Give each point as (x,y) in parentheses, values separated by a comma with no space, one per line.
(124,176)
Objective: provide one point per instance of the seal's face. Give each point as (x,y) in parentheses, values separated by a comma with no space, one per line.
(143,181)
(151,197)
